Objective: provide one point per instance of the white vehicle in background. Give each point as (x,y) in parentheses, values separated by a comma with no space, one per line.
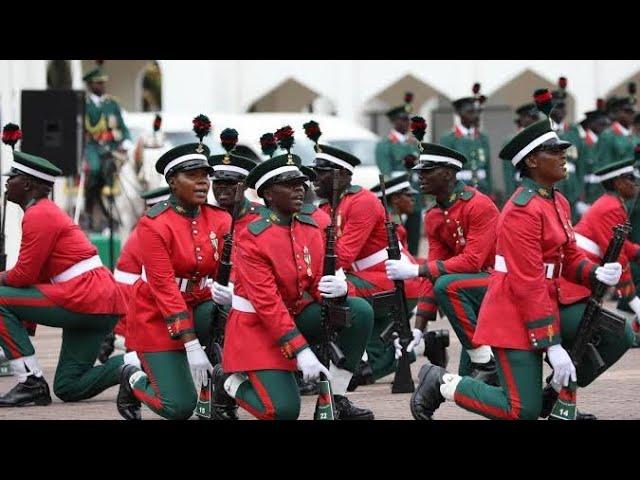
(177,129)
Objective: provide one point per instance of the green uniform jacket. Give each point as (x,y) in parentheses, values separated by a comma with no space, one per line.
(571,186)
(390,153)
(105,130)
(476,149)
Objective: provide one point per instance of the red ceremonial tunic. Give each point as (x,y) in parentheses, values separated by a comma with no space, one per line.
(361,233)
(597,226)
(176,244)
(278,268)
(521,307)
(51,244)
(128,270)
(461,233)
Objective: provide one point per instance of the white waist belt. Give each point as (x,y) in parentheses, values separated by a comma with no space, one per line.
(467,175)
(125,277)
(588,245)
(242,304)
(183,283)
(78,269)
(374,259)
(501,266)
(591,178)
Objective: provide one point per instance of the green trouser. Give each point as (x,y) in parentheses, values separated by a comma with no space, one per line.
(459,296)
(168,388)
(381,356)
(273,394)
(76,378)
(519,396)
(413,224)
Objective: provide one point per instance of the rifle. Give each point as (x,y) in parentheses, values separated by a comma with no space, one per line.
(218,315)
(395,302)
(594,319)
(334,314)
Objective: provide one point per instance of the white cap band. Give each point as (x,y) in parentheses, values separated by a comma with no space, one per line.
(538,141)
(230,168)
(273,173)
(33,172)
(394,189)
(615,173)
(337,161)
(439,159)
(184,158)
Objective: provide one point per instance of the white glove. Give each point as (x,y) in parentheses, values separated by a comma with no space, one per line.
(310,366)
(198,362)
(331,286)
(417,336)
(582,207)
(634,304)
(222,295)
(401,269)
(609,273)
(563,368)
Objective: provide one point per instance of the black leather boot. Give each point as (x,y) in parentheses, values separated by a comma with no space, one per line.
(426,399)
(345,410)
(128,405)
(33,391)
(486,372)
(223,407)
(362,376)
(107,347)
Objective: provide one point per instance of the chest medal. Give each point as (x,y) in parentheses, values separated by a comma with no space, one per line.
(307,260)
(460,233)
(214,243)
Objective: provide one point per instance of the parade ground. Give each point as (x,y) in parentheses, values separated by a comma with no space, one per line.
(614,396)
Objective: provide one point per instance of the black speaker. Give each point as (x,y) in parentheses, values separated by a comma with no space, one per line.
(53,127)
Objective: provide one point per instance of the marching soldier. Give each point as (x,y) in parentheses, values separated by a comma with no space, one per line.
(182,239)
(461,235)
(106,133)
(57,281)
(530,308)
(361,249)
(593,232)
(397,153)
(467,139)
(127,272)
(275,313)
(527,114)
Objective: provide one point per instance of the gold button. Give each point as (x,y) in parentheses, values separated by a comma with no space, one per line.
(194,222)
(195,232)
(199,258)
(197,249)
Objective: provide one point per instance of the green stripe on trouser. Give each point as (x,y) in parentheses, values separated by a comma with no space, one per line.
(519,395)
(273,394)
(76,377)
(459,296)
(168,389)
(381,356)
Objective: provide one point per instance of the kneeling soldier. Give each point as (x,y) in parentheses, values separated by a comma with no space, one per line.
(57,281)
(275,311)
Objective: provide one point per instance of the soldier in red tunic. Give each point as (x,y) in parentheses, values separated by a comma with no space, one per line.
(594,230)
(127,272)
(57,281)
(182,239)
(361,248)
(531,306)
(275,313)
(400,197)
(460,230)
